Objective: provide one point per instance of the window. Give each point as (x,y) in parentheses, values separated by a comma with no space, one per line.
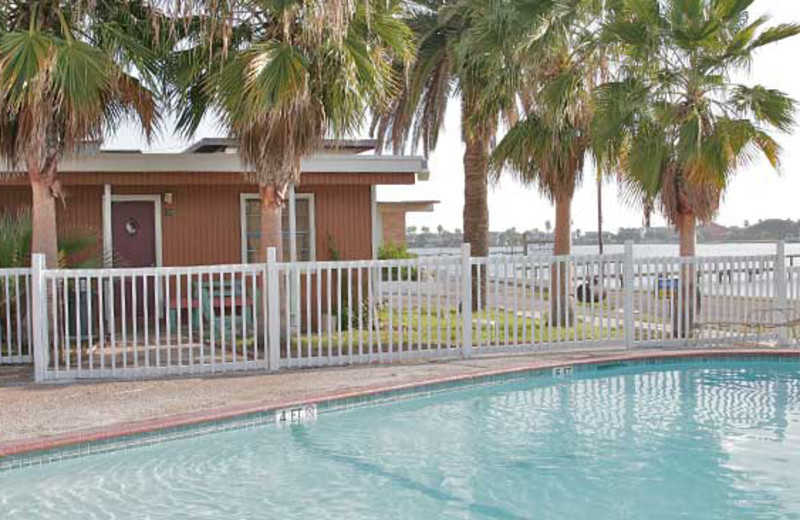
(251,232)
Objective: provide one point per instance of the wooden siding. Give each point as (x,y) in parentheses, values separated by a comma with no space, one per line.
(203,224)
(394,226)
(200,227)
(343,219)
(81,210)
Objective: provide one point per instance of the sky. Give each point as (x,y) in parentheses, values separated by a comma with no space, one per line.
(757,192)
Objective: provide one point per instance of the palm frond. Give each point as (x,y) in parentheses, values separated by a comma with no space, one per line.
(767,106)
(680,137)
(71,74)
(291,73)
(538,154)
(775,34)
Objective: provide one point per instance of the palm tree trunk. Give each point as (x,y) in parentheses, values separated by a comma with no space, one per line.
(563,231)
(687,229)
(560,287)
(271,232)
(687,302)
(272,236)
(43,217)
(476,208)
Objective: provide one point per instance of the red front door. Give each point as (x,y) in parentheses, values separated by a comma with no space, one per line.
(133,227)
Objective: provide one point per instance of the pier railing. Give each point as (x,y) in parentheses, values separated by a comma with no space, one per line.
(154,322)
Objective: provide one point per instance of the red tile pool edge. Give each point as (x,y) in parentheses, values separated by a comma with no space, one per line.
(13,448)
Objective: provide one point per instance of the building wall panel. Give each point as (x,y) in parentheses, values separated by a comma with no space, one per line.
(202,226)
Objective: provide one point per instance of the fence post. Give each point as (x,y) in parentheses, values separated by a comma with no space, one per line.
(39,315)
(466,300)
(628,282)
(781,298)
(273,311)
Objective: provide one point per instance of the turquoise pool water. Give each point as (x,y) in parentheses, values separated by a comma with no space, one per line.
(696,441)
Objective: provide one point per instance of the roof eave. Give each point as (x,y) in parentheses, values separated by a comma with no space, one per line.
(228,163)
(410,206)
(352,145)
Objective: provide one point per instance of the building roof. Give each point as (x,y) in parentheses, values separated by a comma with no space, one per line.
(409,206)
(222,144)
(136,162)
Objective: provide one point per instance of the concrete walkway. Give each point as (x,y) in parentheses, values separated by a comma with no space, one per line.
(29,411)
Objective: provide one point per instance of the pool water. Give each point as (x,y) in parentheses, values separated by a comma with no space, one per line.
(695,440)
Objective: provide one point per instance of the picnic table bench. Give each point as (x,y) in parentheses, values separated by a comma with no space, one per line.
(219,302)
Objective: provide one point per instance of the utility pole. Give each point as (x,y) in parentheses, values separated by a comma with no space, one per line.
(600,211)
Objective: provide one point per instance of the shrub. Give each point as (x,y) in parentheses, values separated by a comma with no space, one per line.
(397,252)
(15,238)
(78,248)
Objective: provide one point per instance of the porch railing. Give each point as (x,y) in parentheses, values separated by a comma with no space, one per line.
(158,321)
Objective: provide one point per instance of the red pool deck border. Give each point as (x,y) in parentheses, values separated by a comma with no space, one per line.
(23,447)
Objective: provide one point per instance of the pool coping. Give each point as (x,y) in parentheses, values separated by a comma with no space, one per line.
(105,435)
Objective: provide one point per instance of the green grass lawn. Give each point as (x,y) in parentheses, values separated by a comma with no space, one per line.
(421,330)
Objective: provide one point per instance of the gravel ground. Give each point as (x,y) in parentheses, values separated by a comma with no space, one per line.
(29,411)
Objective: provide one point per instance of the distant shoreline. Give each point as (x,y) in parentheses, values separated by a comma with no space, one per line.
(699,242)
(765,247)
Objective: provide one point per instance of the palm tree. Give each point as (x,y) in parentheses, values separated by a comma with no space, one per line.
(69,73)
(562,62)
(449,63)
(677,122)
(552,159)
(283,75)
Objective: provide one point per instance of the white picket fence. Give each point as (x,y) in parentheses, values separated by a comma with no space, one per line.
(125,323)
(15,314)
(153,321)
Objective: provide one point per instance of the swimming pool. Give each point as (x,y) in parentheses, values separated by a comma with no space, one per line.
(704,440)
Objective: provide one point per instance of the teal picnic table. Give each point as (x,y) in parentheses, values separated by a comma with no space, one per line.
(222,303)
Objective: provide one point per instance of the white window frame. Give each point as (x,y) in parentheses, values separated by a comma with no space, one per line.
(244,197)
(108,236)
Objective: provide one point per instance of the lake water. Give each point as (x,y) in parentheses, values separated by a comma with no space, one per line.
(729,249)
